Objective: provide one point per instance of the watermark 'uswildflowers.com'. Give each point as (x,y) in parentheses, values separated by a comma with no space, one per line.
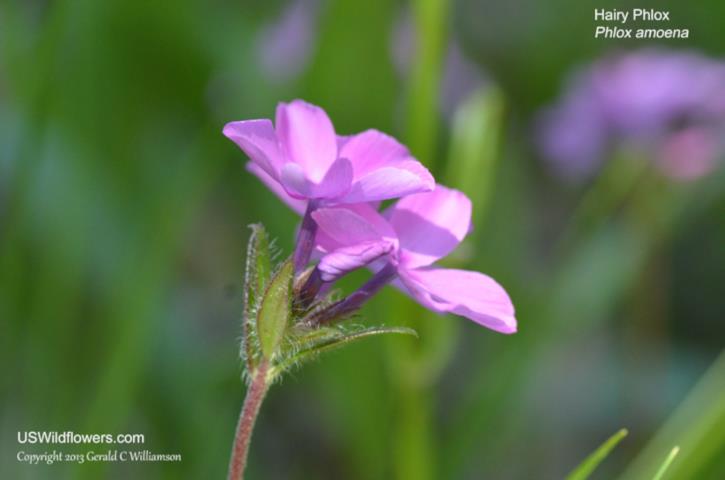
(28,439)
(69,437)
(337,183)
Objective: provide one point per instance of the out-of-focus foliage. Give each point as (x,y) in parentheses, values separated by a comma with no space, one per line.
(123,214)
(587,467)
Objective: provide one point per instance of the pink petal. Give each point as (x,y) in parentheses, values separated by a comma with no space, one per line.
(295,204)
(689,154)
(292,177)
(470,294)
(258,140)
(346,259)
(371,150)
(383,168)
(334,184)
(337,180)
(405,178)
(342,140)
(430,225)
(351,225)
(308,137)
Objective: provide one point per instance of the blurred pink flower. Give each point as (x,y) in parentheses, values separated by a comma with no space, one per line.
(670,104)
(404,242)
(690,153)
(301,157)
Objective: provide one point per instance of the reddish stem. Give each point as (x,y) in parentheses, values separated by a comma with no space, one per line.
(252,402)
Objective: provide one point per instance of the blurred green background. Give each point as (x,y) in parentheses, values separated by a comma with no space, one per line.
(123,214)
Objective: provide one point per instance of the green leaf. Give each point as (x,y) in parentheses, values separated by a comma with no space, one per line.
(258,268)
(275,310)
(309,344)
(584,469)
(666,464)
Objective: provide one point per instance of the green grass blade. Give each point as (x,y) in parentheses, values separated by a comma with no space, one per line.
(697,426)
(584,469)
(666,464)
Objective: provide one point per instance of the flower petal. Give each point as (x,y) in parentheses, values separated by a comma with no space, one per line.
(383,168)
(292,177)
(307,136)
(297,205)
(342,140)
(430,225)
(258,140)
(334,184)
(337,180)
(351,225)
(470,294)
(371,150)
(346,259)
(403,178)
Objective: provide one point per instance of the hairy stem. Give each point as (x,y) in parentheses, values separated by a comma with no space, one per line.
(255,395)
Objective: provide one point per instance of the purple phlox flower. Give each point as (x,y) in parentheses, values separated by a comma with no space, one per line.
(302,154)
(356,235)
(573,136)
(303,161)
(404,242)
(644,93)
(646,99)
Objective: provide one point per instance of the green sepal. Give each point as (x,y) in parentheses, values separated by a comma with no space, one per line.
(275,310)
(585,469)
(306,344)
(258,268)
(257,271)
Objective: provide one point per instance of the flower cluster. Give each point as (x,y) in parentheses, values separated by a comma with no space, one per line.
(337,183)
(671,105)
